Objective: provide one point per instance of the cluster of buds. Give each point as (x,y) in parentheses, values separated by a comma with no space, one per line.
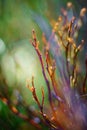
(67,108)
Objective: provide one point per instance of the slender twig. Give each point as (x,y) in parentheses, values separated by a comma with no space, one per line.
(34,43)
(51,72)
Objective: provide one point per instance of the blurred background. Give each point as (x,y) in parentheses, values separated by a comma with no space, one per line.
(18,59)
